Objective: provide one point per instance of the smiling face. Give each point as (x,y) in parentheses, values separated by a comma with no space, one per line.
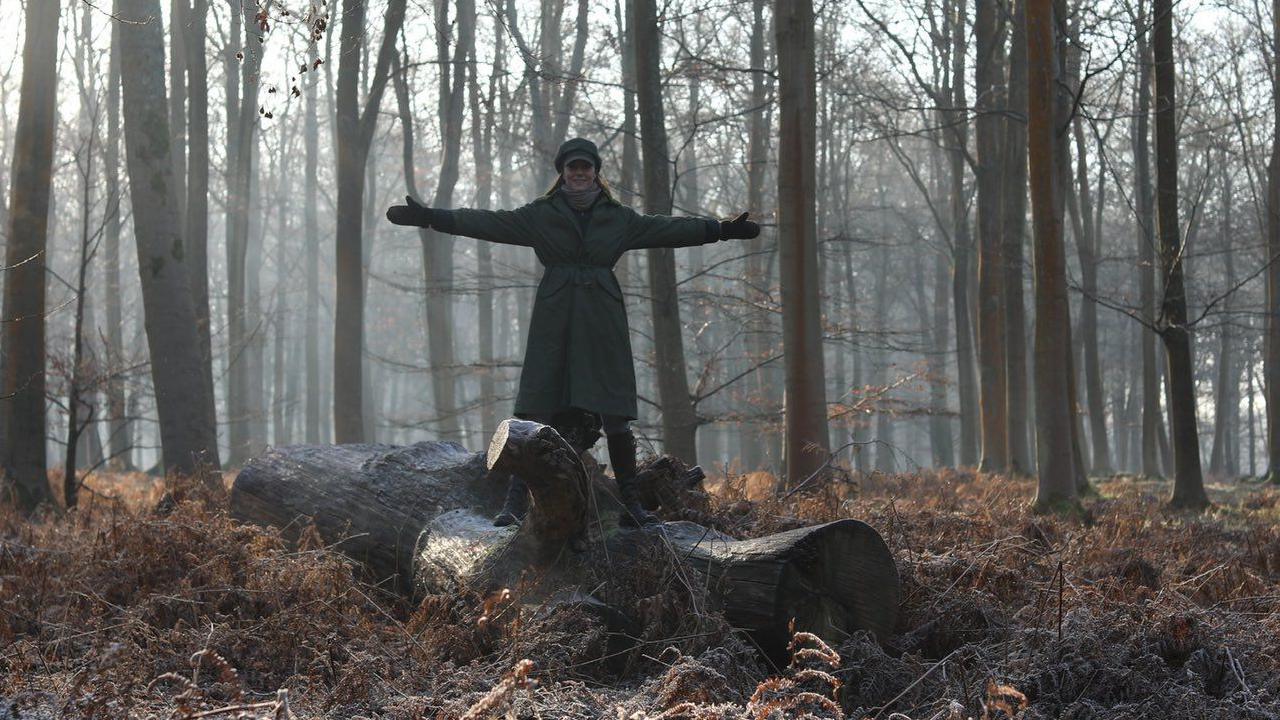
(579,175)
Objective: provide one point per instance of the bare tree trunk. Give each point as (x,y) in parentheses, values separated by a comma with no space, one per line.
(1014,230)
(1188,484)
(1146,253)
(197,187)
(482,151)
(255,320)
(22,352)
(944,454)
(182,401)
(437,248)
(1253,440)
(627,173)
(355,128)
(805,410)
(1271,366)
(80,401)
(758,442)
(119,441)
(885,447)
(242,114)
(1227,404)
(988,70)
(967,383)
(311,220)
(1086,248)
(280,397)
(539,131)
(179,55)
(679,423)
(79,410)
(1057,485)
(564,106)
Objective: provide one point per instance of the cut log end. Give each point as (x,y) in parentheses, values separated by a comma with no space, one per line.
(832,579)
(841,578)
(497,444)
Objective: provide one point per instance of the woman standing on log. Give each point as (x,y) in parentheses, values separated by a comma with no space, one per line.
(578,354)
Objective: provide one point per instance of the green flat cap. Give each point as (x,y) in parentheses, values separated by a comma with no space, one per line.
(575,149)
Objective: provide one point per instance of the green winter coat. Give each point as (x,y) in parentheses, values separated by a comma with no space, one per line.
(579,349)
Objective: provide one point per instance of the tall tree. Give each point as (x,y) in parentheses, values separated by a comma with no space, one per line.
(1013,232)
(1226,408)
(355,126)
(1080,199)
(82,434)
(988,73)
(179,33)
(311,224)
(1271,366)
(966,383)
(1057,483)
(679,423)
(187,439)
(759,446)
(437,247)
(1151,421)
(197,185)
(1188,484)
(22,346)
(244,53)
(119,441)
(482,151)
(805,411)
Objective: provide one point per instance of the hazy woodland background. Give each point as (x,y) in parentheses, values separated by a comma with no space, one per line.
(889,243)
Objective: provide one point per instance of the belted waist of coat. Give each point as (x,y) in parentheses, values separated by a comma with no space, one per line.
(583,274)
(580,275)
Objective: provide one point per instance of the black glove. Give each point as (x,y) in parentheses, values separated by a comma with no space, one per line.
(739,228)
(411,214)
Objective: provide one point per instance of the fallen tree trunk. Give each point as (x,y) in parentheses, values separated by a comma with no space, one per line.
(419,517)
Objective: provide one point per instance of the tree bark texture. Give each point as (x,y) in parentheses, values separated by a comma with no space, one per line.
(1146,252)
(1222,457)
(119,441)
(242,114)
(197,182)
(1013,234)
(1271,365)
(482,152)
(679,421)
(354,127)
(805,409)
(988,72)
(966,381)
(1087,250)
(22,381)
(187,439)
(311,192)
(1188,483)
(1056,489)
(437,248)
(760,444)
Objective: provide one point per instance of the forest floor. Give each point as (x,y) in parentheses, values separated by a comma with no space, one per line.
(1131,611)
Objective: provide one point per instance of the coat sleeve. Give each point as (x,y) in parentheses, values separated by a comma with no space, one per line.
(664,231)
(508,227)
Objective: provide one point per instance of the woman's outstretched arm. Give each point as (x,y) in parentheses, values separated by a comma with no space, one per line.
(509,227)
(659,231)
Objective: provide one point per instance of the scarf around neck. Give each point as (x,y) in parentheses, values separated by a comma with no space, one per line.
(580,199)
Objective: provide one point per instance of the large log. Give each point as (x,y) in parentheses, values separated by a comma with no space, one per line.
(419,517)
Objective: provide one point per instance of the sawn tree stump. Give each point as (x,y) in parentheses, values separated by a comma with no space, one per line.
(419,517)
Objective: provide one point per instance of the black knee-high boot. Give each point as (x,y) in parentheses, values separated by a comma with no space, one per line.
(622,455)
(516,504)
